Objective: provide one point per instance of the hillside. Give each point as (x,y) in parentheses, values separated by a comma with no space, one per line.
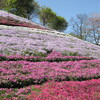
(15,38)
(14,20)
(37,63)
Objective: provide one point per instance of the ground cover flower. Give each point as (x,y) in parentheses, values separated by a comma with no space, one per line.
(23,73)
(16,40)
(66,90)
(53,56)
(14,20)
(24,77)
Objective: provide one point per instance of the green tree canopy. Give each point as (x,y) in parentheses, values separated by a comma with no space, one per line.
(59,23)
(46,15)
(50,19)
(23,8)
(3,4)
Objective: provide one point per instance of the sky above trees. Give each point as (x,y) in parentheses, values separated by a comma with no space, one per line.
(70,8)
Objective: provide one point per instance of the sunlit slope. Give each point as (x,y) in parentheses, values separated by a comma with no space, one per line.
(18,39)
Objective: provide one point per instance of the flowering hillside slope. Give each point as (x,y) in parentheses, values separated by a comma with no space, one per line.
(77,78)
(13,20)
(66,90)
(14,39)
(37,63)
(19,39)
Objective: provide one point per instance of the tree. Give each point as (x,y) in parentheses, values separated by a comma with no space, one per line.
(46,15)
(59,23)
(23,8)
(94,27)
(50,19)
(87,27)
(79,25)
(2,4)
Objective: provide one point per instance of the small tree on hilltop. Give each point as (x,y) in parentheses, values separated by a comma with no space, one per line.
(79,25)
(59,24)
(50,19)
(46,15)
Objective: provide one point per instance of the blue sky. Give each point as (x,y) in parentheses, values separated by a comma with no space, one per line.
(70,8)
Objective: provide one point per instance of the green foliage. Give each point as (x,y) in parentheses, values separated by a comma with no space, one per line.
(46,15)
(33,53)
(3,4)
(78,36)
(59,23)
(50,19)
(65,53)
(35,89)
(26,52)
(48,51)
(26,8)
(3,58)
(39,54)
(7,52)
(2,92)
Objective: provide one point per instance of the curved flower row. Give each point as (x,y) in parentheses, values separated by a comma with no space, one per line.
(53,56)
(22,73)
(57,56)
(66,90)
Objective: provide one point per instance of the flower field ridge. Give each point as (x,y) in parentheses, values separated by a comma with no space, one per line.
(22,73)
(51,57)
(38,63)
(14,20)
